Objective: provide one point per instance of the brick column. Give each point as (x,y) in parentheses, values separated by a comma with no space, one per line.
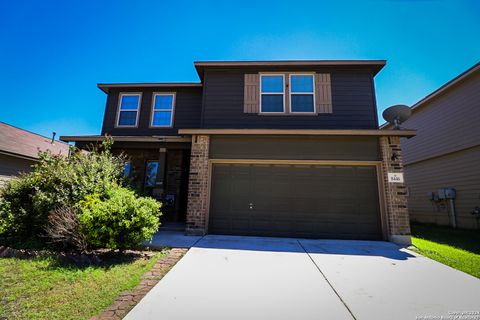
(395,193)
(198,185)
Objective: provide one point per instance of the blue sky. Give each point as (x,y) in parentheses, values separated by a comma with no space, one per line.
(53,53)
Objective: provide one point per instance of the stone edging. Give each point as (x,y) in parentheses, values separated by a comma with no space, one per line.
(127,300)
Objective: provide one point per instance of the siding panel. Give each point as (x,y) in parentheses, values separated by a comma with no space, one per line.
(448,123)
(294,148)
(352,98)
(13,166)
(459,170)
(445,153)
(188,109)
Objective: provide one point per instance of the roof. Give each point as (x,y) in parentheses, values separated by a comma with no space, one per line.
(304,132)
(375,65)
(447,86)
(105,87)
(18,142)
(96,138)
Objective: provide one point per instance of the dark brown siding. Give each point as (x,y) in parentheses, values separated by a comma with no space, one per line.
(136,145)
(188,107)
(294,148)
(353,102)
(445,153)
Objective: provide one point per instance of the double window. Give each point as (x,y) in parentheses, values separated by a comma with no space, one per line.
(162,110)
(162,113)
(299,92)
(128,107)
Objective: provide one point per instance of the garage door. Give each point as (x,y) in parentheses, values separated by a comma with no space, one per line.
(310,201)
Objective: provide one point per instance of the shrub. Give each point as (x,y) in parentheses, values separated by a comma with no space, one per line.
(64,229)
(119,220)
(55,182)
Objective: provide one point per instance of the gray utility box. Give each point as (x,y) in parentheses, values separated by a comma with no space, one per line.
(446,193)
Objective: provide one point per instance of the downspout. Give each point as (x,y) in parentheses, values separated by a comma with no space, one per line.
(453,214)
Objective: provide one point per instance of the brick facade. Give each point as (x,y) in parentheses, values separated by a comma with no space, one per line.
(395,193)
(198,186)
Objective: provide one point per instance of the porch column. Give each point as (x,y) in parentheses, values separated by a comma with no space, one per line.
(159,189)
(198,186)
(395,192)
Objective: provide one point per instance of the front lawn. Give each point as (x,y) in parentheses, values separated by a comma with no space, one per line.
(459,249)
(40,288)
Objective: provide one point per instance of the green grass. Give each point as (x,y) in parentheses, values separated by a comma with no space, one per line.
(459,249)
(40,288)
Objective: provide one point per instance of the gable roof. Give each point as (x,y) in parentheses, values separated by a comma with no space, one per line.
(23,143)
(374,65)
(447,86)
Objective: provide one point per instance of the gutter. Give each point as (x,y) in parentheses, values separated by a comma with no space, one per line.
(305,132)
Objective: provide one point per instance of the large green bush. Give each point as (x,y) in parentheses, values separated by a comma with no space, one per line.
(119,220)
(56,182)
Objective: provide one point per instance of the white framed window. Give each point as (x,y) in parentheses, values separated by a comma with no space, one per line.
(302,93)
(272,93)
(163,107)
(128,109)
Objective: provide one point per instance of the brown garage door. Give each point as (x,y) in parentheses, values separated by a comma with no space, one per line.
(312,201)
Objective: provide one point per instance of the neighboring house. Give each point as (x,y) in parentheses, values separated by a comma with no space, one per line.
(19,150)
(445,152)
(267,148)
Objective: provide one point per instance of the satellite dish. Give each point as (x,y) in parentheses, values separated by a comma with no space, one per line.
(397,114)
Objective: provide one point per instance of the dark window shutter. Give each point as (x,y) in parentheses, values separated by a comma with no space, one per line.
(251,102)
(323,93)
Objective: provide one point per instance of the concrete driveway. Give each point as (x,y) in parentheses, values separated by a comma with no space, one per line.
(226,277)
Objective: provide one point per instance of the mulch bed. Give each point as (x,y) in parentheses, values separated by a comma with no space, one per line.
(97,257)
(128,300)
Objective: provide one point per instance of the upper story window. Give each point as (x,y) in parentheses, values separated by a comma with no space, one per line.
(128,108)
(163,106)
(302,97)
(288,93)
(272,89)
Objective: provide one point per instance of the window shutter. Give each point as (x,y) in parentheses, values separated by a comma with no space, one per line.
(323,93)
(251,102)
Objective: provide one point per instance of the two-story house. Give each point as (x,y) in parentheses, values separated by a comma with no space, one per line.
(267,148)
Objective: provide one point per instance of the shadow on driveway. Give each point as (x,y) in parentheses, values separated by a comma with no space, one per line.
(339,247)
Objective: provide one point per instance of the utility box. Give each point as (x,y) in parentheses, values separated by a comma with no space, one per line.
(450,193)
(446,193)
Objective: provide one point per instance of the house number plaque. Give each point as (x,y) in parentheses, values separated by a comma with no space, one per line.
(394,177)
